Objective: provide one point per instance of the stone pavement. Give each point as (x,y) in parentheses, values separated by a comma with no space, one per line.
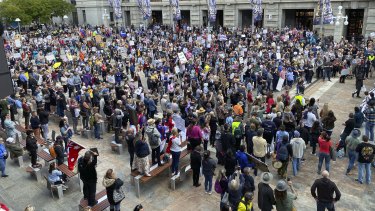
(19,189)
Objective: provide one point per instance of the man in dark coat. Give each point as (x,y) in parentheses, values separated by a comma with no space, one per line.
(266,199)
(359,73)
(88,175)
(195,163)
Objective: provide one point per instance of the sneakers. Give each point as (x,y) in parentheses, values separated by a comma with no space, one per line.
(210,193)
(5,175)
(148,175)
(360,182)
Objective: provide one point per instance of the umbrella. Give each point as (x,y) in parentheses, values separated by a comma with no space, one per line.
(56,65)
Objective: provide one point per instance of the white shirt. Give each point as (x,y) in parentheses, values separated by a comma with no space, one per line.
(298,145)
(311,118)
(176,142)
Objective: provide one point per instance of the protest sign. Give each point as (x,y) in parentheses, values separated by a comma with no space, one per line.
(280,84)
(182,58)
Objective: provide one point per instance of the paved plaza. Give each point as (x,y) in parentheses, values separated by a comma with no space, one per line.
(20,189)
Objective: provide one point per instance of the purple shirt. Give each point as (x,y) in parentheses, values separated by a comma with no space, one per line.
(194,132)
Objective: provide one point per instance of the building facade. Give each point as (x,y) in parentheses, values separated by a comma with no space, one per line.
(236,13)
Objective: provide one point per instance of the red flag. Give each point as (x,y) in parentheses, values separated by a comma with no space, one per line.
(74,149)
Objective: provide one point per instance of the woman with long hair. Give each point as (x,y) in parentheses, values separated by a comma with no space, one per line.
(65,131)
(55,176)
(329,122)
(284,199)
(112,183)
(324,144)
(324,111)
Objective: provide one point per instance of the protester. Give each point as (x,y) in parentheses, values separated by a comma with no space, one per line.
(322,190)
(88,175)
(32,148)
(208,171)
(260,148)
(324,151)
(195,164)
(235,187)
(176,149)
(351,143)
(298,146)
(370,123)
(56,177)
(142,151)
(154,140)
(14,149)
(366,152)
(283,198)
(246,203)
(3,158)
(284,152)
(111,184)
(266,199)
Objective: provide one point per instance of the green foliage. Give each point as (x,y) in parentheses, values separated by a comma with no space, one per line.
(39,11)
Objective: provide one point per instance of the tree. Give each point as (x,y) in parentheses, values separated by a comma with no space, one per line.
(39,11)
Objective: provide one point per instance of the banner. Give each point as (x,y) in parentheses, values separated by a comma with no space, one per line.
(212,10)
(74,149)
(116,5)
(145,7)
(324,7)
(257,9)
(175,5)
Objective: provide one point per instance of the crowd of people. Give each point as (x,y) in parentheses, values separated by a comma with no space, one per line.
(225,92)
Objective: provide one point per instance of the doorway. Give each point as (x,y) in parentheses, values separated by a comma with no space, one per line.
(300,19)
(185,18)
(157,17)
(355,26)
(245,18)
(127,18)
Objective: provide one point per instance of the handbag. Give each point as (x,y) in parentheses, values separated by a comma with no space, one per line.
(118,195)
(225,199)
(332,153)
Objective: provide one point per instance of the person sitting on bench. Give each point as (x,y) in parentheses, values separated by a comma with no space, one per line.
(14,149)
(32,147)
(56,177)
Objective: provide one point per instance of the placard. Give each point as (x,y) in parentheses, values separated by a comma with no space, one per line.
(182,58)
(98,38)
(17,55)
(50,57)
(179,122)
(131,42)
(278,56)
(17,43)
(280,84)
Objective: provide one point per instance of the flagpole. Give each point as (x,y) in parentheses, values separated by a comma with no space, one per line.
(322,17)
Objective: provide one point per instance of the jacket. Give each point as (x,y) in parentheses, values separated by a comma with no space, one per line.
(110,186)
(31,144)
(228,141)
(43,117)
(195,160)
(141,149)
(208,166)
(10,128)
(14,149)
(358,119)
(242,159)
(153,131)
(34,122)
(260,145)
(323,190)
(366,152)
(265,197)
(298,145)
(3,151)
(242,206)
(87,170)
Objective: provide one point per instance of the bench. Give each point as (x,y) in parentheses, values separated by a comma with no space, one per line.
(102,204)
(57,188)
(40,140)
(34,172)
(19,160)
(116,147)
(69,174)
(181,176)
(155,170)
(86,133)
(46,156)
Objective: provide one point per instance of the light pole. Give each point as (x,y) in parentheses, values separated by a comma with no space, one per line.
(321,11)
(339,17)
(19,26)
(105,18)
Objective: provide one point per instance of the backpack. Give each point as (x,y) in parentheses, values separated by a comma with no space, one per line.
(153,139)
(52,151)
(218,188)
(282,153)
(238,132)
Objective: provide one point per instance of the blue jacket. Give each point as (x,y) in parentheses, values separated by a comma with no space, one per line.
(242,160)
(3,151)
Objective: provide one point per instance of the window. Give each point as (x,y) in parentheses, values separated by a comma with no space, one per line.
(84,16)
(111,16)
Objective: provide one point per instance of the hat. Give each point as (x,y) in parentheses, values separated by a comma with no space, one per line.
(151,121)
(356,133)
(281,185)
(17,94)
(10,140)
(296,134)
(240,103)
(266,177)
(201,110)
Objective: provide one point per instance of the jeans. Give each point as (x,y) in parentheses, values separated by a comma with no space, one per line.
(115,207)
(60,111)
(75,124)
(175,161)
(155,155)
(367,167)
(352,158)
(2,166)
(97,130)
(85,121)
(321,206)
(327,158)
(208,183)
(296,163)
(45,131)
(369,130)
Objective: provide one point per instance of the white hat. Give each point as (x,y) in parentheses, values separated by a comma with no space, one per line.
(10,140)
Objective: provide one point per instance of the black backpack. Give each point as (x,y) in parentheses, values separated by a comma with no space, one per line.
(282,153)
